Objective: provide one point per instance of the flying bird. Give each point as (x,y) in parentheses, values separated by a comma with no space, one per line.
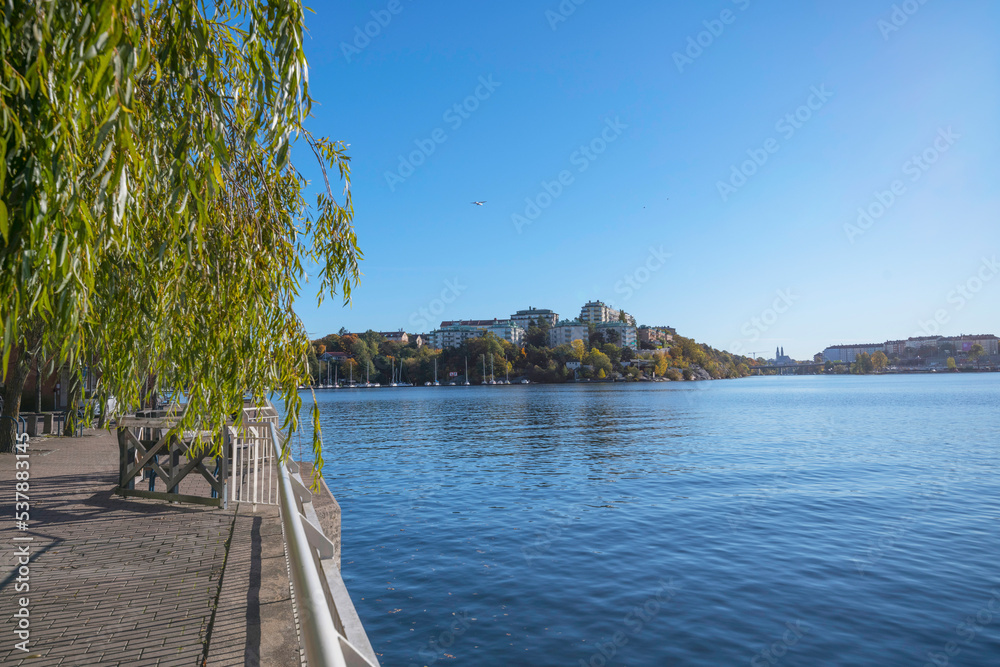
(478,203)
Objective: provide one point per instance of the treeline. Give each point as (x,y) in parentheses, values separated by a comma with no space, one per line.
(372,355)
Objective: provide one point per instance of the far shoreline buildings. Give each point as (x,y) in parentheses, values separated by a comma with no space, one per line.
(617,327)
(915,347)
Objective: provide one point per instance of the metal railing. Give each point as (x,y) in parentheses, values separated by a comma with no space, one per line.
(317,588)
(252,470)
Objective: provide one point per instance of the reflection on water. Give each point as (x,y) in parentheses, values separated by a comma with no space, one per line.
(831,520)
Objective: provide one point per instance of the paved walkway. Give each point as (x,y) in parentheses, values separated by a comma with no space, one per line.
(137,582)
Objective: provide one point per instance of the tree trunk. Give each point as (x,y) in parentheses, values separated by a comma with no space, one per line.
(72,404)
(12,400)
(38,384)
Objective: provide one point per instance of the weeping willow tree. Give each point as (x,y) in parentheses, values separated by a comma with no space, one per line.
(152,223)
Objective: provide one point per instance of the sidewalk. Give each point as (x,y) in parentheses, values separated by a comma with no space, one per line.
(118,581)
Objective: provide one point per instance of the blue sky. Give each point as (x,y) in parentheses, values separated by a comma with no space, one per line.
(776,257)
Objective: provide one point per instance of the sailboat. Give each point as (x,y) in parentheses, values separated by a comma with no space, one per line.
(336,379)
(484,370)
(466,383)
(492,381)
(392,373)
(436,383)
(507,369)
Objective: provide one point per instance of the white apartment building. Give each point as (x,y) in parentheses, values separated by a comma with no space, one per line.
(566,332)
(849,353)
(525,318)
(508,331)
(626,333)
(454,335)
(595,312)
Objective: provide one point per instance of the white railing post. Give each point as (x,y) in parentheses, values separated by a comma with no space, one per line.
(323,644)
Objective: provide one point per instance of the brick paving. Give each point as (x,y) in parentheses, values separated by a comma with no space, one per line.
(118,581)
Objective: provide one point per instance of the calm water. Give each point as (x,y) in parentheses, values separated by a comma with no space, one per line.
(827,520)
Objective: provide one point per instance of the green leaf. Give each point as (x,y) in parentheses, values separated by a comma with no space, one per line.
(3,222)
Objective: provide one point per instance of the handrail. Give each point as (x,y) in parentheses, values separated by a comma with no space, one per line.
(323,644)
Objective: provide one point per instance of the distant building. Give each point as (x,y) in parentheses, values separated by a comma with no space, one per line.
(849,353)
(396,336)
(508,331)
(525,318)
(918,342)
(624,333)
(454,335)
(596,312)
(566,332)
(895,348)
(654,335)
(479,324)
(964,343)
(781,358)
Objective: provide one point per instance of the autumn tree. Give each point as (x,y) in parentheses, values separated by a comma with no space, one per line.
(976,352)
(879,361)
(862,364)
(599,361)
(662,364)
